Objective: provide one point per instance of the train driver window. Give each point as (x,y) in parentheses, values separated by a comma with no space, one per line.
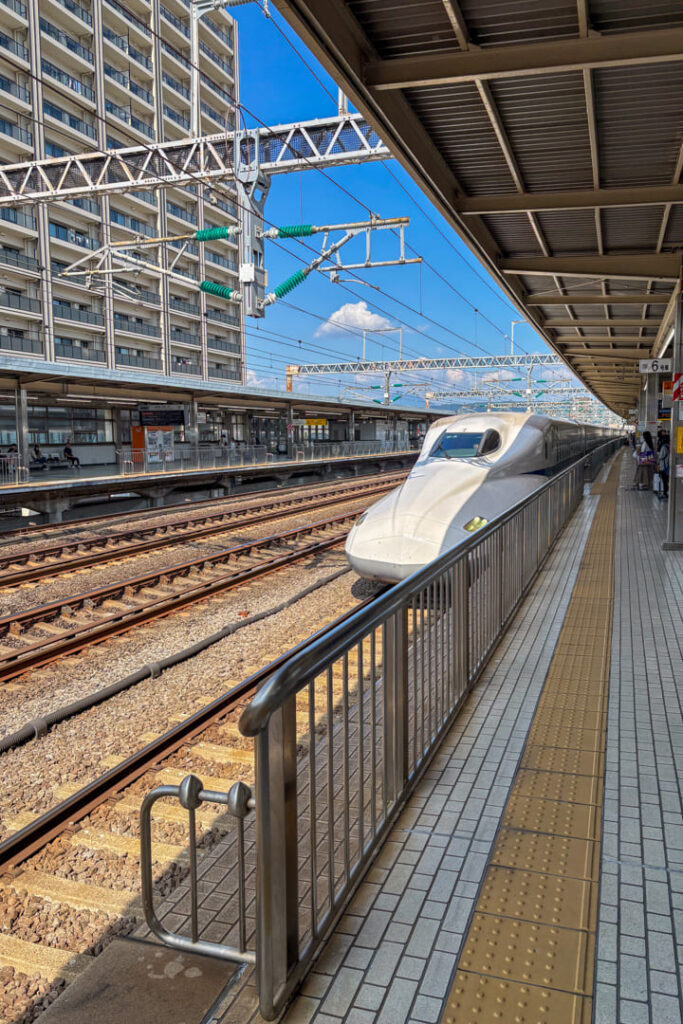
(465,445)
(489,442)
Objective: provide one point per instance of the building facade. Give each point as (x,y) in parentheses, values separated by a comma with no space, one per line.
(77,75)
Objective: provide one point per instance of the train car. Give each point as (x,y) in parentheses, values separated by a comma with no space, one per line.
(471,469)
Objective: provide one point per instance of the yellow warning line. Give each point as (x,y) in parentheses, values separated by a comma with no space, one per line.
(528,954)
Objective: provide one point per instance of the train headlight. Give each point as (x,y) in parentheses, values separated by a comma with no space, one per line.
(475,524)
(361,518)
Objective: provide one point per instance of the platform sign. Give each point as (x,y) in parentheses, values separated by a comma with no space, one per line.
(316,422)
(655,366)
(679,442)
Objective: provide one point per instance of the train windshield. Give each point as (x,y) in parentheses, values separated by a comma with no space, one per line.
(465,446)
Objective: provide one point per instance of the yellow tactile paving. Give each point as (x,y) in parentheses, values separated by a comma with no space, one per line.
(528,954)
(477,998)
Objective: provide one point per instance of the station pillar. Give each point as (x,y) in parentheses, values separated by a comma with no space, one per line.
(192,425)
(674,533)
(21,411)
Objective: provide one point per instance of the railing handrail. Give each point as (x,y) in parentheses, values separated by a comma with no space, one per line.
(296,673)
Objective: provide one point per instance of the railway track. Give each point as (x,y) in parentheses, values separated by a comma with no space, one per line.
(81,858)
(37,636)
(33,564)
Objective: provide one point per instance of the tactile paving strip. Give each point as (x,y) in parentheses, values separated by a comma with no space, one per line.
(528,954)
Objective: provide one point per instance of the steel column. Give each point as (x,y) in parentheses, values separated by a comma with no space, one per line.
(674,534)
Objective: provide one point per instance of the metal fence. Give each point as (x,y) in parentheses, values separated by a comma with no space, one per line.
(12,472)
(344,729)
(130,461)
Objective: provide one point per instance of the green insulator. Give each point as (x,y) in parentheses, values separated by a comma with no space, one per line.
(295,231)
(212,288)
(289,284)
(211,234)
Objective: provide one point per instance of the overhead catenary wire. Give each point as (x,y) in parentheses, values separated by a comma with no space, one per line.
(233,200)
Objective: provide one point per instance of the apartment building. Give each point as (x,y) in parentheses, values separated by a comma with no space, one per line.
(92,74)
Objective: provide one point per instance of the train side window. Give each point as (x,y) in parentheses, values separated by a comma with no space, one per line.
(489,442)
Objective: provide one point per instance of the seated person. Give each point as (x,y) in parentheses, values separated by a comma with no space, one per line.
(72,459)
(38,456)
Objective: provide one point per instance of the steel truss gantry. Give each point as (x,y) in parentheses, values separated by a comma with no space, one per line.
(344,138)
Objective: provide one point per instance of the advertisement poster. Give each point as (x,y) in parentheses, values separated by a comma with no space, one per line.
(159,444)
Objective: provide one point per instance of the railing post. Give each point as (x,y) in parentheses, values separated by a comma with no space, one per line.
(277,904)
(395,682)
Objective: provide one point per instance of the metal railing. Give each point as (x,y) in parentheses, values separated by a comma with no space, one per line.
(130,460)
(384,687)
(191,795)
(345,728)
(12,471)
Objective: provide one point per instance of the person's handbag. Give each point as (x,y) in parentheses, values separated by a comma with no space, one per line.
(646,458)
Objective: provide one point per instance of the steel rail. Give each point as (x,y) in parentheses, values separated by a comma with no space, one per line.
(187,506)
(53,609)
(49,826)
(168,535)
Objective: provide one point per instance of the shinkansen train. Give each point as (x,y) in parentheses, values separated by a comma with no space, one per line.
(471,469)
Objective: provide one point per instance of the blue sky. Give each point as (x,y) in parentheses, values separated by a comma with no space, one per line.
(277,87)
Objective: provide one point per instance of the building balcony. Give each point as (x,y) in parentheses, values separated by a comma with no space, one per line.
(149,198)
(128,19)
(227,208)
(18,91)
(68,81)
(212,114)
(78,12)
(223,345)
(65,311)
(224,373)
(220,33)
(11,46)
(141,362)
(179,119)
(222,317)
(22,139)
(66,42)
(19,219)
(186,367)
(181,306)
(226,66)
(173,20)
(13,13)
(221,261)
(19,260)
(77,124)
(217,90)
(177,211)
(71,236)
(122,44)
(132,326)
(127,85)
(137,295)
(185,337)
(30,344)
(124,114)
(88,207)
(20,303)
(177,56)
(177,86)
(64,350)
(123,220)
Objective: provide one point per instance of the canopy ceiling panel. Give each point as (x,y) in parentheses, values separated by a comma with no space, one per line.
(549,133)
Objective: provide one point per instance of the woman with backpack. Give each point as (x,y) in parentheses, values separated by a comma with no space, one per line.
(645,463)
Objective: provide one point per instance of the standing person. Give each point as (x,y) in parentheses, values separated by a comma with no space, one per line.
(72,459)
(663,466)
(645,463)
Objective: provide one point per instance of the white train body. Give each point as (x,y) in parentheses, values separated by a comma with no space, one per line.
(471,469)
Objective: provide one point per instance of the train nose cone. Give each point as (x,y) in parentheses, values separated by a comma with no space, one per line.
(377,553)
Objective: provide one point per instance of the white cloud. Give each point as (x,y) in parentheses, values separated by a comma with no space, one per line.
(353,316)
(269,383)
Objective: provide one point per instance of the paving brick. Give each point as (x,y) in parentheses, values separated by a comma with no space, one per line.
(340,995)
(397,1004)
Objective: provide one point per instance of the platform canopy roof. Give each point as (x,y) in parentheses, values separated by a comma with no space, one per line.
(550,135)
